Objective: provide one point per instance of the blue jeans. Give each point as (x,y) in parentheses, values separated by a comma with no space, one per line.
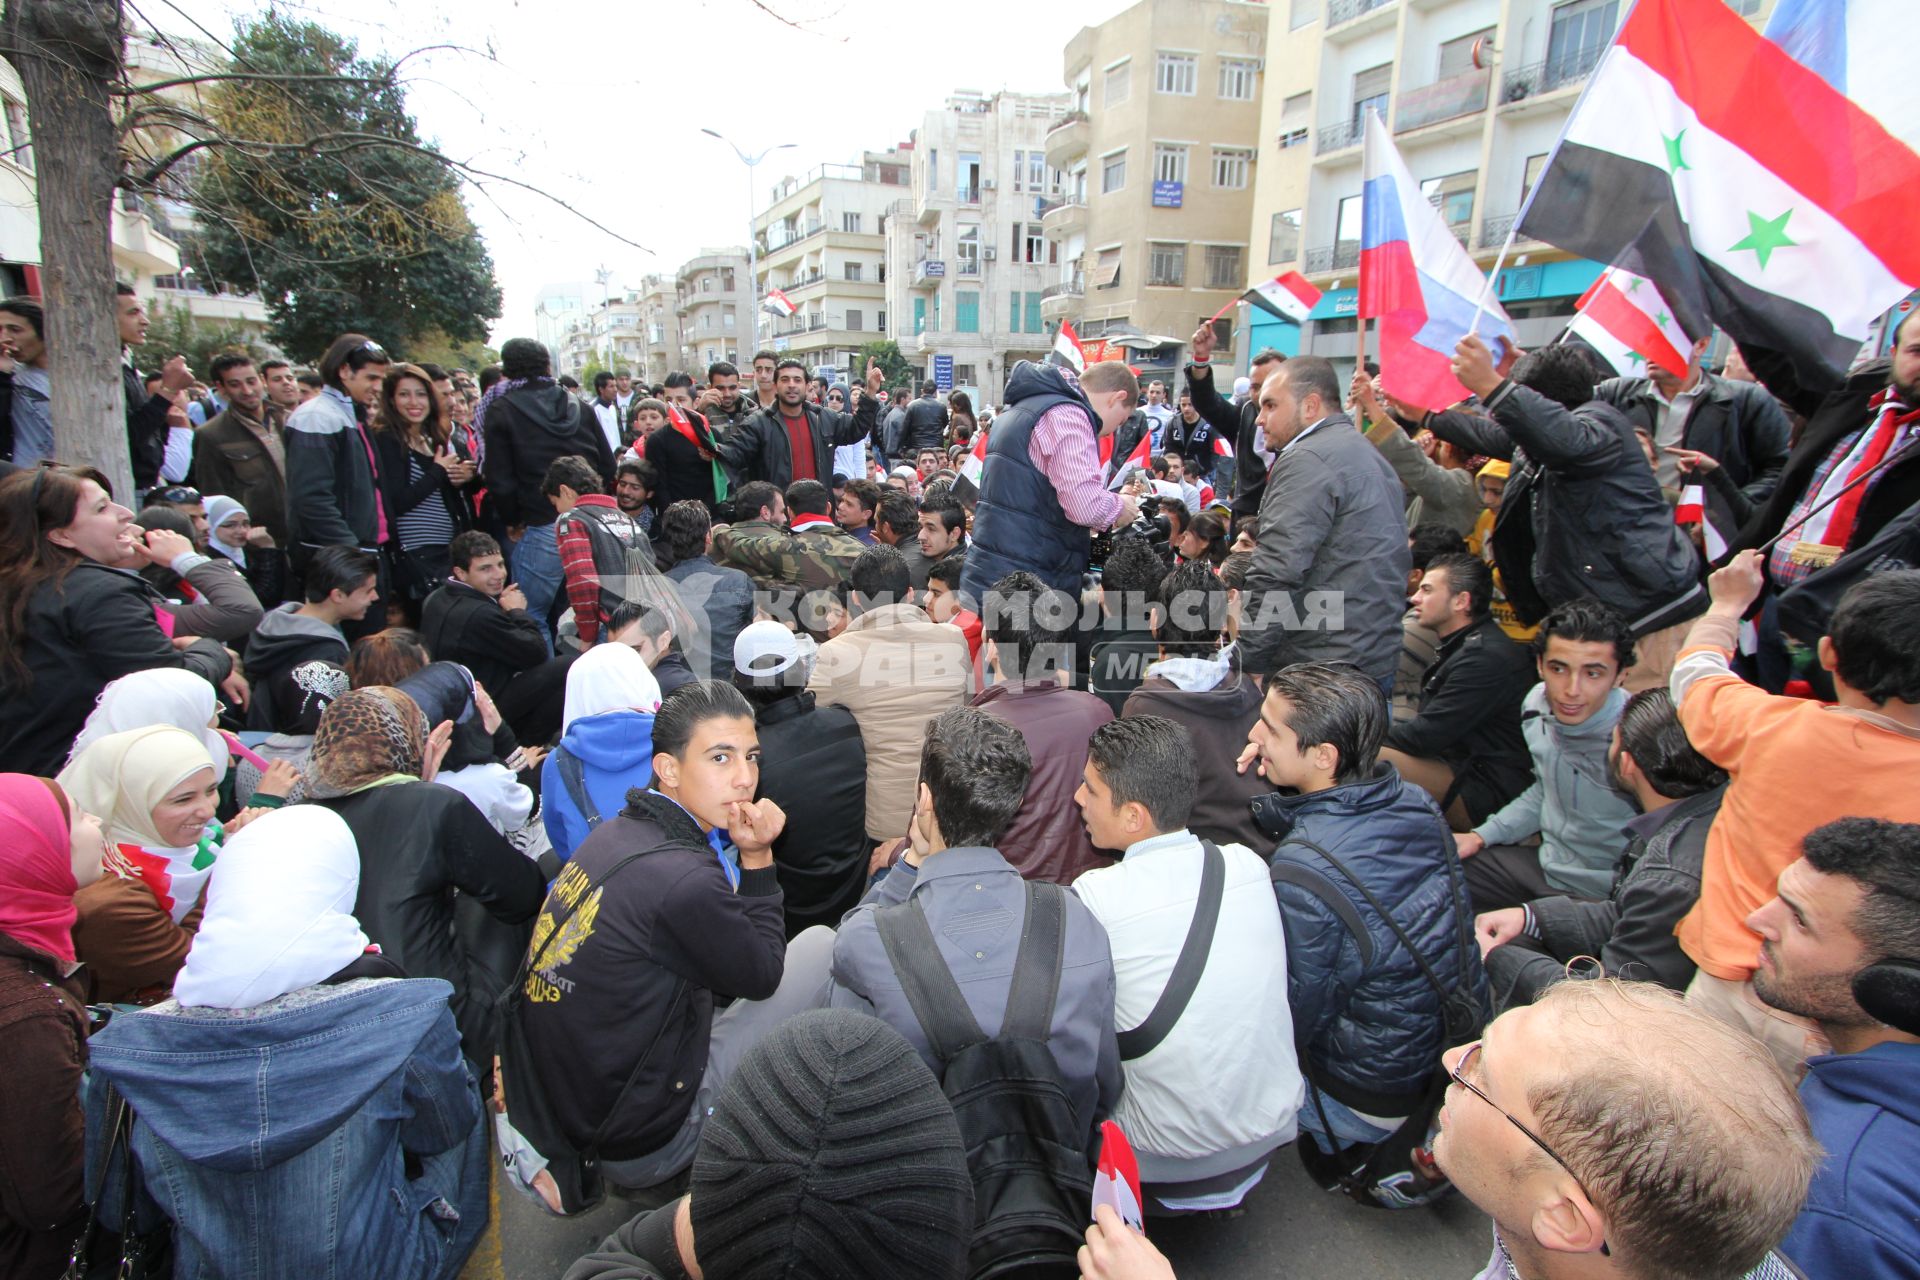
(1347,1127)
(537,572)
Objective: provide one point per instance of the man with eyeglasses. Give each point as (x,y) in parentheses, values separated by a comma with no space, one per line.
(1612,1132)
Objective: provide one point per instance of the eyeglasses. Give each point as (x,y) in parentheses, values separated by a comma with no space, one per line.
(1538,1141)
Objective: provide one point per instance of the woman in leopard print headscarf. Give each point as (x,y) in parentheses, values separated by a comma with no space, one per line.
(368,737)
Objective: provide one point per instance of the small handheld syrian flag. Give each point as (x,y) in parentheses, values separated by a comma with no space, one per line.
(1067,348)
(1624,318)
(1142,454)
(1290,297)
(1692,509)
(1222,447)
(1116,1182)
(777,303)
(976,460)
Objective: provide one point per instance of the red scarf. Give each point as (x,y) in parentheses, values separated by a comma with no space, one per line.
(1839,531)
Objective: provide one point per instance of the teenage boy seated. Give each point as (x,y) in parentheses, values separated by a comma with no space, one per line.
(479,619)
(973,773)
(1582,653)
(296,658)
(1463,744)
(1212,1085)
(1678,791)
(1361,850)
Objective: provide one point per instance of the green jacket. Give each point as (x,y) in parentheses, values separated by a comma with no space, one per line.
(778,560)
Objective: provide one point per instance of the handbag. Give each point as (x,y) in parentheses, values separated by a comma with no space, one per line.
(124,1252)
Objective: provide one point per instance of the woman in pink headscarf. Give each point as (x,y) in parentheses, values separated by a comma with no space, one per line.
(48,850)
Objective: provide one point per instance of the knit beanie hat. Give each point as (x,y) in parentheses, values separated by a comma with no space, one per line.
(832,1153)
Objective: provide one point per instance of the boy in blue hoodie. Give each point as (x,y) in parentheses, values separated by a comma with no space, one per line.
(1582,652)
(1852,899)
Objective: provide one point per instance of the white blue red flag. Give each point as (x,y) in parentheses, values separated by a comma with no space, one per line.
(1417,281)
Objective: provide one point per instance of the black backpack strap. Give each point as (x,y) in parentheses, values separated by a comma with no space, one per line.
(573,774)
(1381,908)
(1328,892)
(1036,967)
(936,999)
(1173,1001)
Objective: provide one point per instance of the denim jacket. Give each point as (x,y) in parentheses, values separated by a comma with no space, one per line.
(277,1139)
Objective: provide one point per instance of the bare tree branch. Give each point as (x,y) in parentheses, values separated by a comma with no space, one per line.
(159,86)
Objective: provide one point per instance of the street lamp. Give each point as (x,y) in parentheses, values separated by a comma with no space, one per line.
(753,279)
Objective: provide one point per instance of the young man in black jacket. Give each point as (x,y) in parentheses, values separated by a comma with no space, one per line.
(1464,747)
(147,424)
(1678,791)
(795,439)
(1241,426)
(479,619)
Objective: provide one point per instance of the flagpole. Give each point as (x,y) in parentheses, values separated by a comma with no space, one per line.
(1897,455)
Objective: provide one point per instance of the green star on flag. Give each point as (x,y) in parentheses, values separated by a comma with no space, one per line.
(1764,235)
(1634,283)
(1662,319)
(1676,160)
(1636,357)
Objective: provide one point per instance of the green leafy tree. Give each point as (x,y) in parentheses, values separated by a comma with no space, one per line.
(438,348)
(175,332)
(887,352)
(332,207)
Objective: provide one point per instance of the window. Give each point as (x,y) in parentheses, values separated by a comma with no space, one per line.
(1167,264)
(853,270)
(1225,269)
(1456,56)
(850,222)
(1169,163)
(1019,170)
(966,250)
(963,376)
(1347,232)
(1535,165)
(1230,166)
(919,315)
(726,280)
(1106,268)
(1037,171)
(880,321)
(933,170)
(1176,73)
(1034,323)
(855,320)
(18,140)
(1301,13)
(1283,240)
(1038,248)
(1453,197)
(1745,8)
(1370,89)
(727,319)
(706,284)
(1296,114)
(966,310)
(1237,78)
(1113,172)
(1013,313)
(1581,31)
(1222,332)
(1119,83)
(967,178)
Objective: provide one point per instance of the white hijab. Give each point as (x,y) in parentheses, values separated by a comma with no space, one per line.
(160,696)
(279,911)
(608,677)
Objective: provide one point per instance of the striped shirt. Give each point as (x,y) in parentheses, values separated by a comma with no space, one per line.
(429,524)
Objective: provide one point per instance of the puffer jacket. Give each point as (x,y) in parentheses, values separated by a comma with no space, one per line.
(1368,1019)
(1582,514)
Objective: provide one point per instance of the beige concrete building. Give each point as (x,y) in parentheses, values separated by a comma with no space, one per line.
(1475,92)
(1159,155)
(967,264)
(714,304)
(659,330)
(819,242)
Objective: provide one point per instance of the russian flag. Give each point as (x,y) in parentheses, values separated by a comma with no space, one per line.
(1417,281)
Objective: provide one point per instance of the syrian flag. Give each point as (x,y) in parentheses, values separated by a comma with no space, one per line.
(1692,509)
(1067,348)
(1624,318)
(777,303)
(976,460)
(1222,447)
(1763,182)
(1142,454)
(1290,297)
(1116,1181)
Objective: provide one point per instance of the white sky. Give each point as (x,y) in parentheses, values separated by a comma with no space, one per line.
(602,104)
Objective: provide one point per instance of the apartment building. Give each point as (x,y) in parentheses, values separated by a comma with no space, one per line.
(714,304)
(660,348)
(1475,92)
(967,262)
(819,241)
(558,310)
(1159,155)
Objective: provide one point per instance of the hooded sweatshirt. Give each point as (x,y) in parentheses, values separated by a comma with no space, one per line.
(286,700)
(1862,1209)
(273,1136)
(526,429)
(615,749)
(1572,802)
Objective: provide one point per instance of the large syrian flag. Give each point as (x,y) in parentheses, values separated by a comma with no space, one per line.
(1764,183)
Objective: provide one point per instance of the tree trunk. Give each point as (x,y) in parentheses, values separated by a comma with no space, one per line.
(68,53)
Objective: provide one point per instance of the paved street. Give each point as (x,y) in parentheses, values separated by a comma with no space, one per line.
(1292,1231)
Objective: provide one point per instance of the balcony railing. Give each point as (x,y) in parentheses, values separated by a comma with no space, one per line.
(1557,72)
(1339,11)
(1336,137)
(1068,120)
(1493,231)
(1071,289)
(1334,257)
(1449,99)
(968,195)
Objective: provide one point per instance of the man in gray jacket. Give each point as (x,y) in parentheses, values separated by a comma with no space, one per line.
(1328,579)
(973,776)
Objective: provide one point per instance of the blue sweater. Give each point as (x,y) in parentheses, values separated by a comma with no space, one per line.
(1863,1209)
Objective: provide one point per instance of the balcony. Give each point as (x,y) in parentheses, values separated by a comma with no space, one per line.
(1357,17)
(1067,141)
(967,195)
(1493,232)
(1058,301)
(1342,256)
(1062,218)
(1338,137)
(1564,70)
(929,272)
(1458,97)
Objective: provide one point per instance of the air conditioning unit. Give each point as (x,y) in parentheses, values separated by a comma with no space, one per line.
(987,184)
(990,252)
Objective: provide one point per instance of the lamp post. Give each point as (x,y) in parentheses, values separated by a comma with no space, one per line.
(753,279)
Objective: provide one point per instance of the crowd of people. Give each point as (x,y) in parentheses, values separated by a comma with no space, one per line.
(828,812)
